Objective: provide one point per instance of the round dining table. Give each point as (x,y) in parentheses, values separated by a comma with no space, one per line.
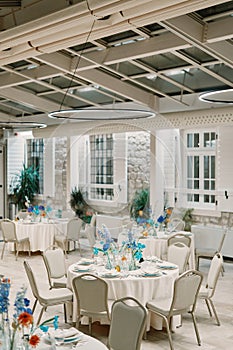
(157,245)
(143,287)
(41,234)
(86,343)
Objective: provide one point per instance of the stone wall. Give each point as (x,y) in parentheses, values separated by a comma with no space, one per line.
(59,201)
(138,162)
(224,220)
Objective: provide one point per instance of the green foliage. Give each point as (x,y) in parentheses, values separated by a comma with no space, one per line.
(140,202)
(187,218)
(25,186)
(78,204)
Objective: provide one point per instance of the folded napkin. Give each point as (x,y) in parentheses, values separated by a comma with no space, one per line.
(85,261)
(70,332)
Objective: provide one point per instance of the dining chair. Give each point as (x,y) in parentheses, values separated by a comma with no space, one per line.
(54,261)
(185,291)
(209,253)
(128,323)
(176,224)
(9,235)
(179,237)
(92,298)
(207,291)
(90,234)
(178,253)
(47,297)
(74,226)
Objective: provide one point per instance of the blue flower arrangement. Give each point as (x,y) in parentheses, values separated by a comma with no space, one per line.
(135,247)
(108,245)
(39,210)
(22,318)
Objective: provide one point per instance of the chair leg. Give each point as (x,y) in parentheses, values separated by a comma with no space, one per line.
(208,307)
(17,251)
(40,315)
(29,248)
(168,332)
(196,329)
(215,312)
(34,306)
(79,247)
(65,316)
(90,325)
(3,249)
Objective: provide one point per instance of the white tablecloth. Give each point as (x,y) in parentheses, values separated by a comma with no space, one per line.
(141,288)
(41,235)
(158,246)
(86,343)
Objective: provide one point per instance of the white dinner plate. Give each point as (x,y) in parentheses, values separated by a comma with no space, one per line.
(83,268)
(110,275)
(85,262)
(167,267)
(66,340)
(155,274)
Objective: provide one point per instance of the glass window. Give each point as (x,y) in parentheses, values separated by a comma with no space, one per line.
(102,170)
(200,159)
(35,158)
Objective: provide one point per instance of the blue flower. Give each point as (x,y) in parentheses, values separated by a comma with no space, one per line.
(44,328)
(106,246)
(95,251)
(161,219)
(26,302)
(55,322)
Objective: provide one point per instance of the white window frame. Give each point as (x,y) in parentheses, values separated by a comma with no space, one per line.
(200,151)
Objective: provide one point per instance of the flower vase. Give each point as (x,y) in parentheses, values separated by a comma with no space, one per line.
(108,265)
(132,264)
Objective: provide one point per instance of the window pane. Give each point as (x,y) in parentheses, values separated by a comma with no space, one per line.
(212,184)
(196,166)
(189,197)
(212,199)
(190,184)
(206,198)
(190,140)
(196,184)
(206,167)
(206,139)
(196,140)
(212,167)
(206,185)
(196,197)
(189,166)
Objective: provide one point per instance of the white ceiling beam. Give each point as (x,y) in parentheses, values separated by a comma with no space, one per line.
(157,45)
(204,69)
(194,32)
(219,31)
(30,100)
(102,79)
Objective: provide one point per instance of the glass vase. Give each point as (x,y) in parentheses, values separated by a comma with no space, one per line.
(108,265)
(132,263)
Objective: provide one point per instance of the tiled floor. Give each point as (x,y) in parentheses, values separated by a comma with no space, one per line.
(212,336)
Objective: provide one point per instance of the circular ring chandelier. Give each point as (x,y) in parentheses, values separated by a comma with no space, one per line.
(20,125)
(220,96)
(100,114)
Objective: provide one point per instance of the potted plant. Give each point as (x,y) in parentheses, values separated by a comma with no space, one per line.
(140,204)
(79,205)
(187,218)
(25,186)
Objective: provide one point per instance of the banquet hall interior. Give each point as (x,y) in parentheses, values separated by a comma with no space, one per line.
(116,125)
